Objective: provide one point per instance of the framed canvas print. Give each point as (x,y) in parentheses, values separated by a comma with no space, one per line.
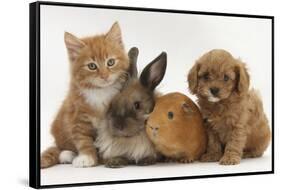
(125,94)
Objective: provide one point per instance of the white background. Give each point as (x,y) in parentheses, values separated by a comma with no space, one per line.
(14,93)
(184,38)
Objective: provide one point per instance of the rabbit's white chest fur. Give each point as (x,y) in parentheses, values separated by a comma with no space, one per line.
(100,98)
(133,148)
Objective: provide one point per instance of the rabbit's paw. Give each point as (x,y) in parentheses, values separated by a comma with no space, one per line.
(146,161)
(116,162)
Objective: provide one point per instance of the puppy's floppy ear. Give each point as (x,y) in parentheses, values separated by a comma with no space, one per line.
(193,78)
(242,78)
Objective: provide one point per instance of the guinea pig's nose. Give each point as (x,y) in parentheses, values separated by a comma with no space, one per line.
(154,128)
(214,90)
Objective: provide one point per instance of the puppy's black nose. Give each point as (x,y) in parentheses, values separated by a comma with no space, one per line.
(214,90)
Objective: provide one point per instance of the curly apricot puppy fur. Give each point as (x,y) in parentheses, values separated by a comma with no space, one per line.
(236,123)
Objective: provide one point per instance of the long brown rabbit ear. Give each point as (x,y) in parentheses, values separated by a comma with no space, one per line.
(154,72)
(133,57)
(242,78)
(193,78)
(74,46)
(114,35)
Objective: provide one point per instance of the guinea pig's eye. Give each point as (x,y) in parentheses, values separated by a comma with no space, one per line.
(92,66)
(137,105)
(206,76)
(170,115)
(225,78)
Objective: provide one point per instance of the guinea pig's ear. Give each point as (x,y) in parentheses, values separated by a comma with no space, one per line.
(187,108)
(242,78)
(192,78)
(154,72)
(133,56)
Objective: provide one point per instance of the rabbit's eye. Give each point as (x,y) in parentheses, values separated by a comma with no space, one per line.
(137,105)
(170,115)
(225,78)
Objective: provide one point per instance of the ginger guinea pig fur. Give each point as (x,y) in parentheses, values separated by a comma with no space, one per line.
(176,128)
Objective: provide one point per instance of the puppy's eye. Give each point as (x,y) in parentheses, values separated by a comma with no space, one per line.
(170,115)
(137,105)
(92,66)
(225,78)
(111,62)
(206,76)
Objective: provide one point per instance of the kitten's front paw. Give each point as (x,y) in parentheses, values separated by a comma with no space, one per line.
(117,162)
(210,157)
(146,161)
(83,161)
(230,159)
(66,157)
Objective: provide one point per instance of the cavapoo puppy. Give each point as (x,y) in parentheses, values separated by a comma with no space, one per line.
(236,123)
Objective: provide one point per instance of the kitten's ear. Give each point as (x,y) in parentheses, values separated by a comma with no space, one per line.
(154,72)
(73,45)
(115,35)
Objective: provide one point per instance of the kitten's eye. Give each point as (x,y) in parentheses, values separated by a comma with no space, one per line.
(137,105)
(226,78)
(206,76)
(111,62)
(170,115)
(92,66)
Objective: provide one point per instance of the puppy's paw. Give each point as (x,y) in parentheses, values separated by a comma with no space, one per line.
(66,157)
(230,159)
(84,160)
(210,157)
(146,161)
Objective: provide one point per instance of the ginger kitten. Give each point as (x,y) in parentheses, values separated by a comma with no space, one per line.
(98,66)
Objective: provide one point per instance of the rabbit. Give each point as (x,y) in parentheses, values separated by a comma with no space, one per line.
(122,139)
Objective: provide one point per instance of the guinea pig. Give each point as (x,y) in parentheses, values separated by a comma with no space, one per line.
(123,139)
(176,128)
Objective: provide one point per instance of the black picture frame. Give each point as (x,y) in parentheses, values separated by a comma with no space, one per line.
(34,92)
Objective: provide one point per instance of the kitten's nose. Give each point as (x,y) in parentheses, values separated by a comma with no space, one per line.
(214,90)
(104,75)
